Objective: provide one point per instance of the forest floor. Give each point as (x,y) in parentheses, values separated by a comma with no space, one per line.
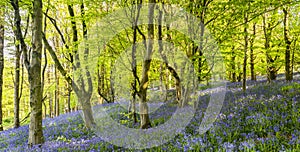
(264,118)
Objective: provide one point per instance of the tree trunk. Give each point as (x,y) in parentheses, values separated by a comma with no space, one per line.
(69,98)
(293,55)
(87,111)
(79,88)
(245,52)
(101,86)
(197,8)
(132,108)
(166,62)
(252,58)
(50,105)
(85,103)
(161,78)
(44,97)
(87,94)
(24,107)
(49,92)
(288,71)
(45,107)
(112,89)
(17,88)
(166,85)
(233,74)
(144,115)
(1,65)
(19,37)
(34,76)
(68,92)
(271,69)
(239,76)
(57,94)
(200,49)
(272,73)
(134,92)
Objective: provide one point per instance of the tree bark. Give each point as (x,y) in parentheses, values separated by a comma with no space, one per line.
(69,98)
(51,114)
(233,74)
(200,48)
(50,106)
(245,52)
(293,55)
(17,88)
(87,111)
(288,71)
(252,58)
(34,76)
(102,93)
(1,65)
(112,87)
(57,93)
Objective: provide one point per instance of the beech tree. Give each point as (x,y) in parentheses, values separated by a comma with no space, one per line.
(33,67)
(263,32)
(268,29)
(144,115)
(17,87)
(246,40)
(34,77)
(84,95)
(136,80)
(287,40)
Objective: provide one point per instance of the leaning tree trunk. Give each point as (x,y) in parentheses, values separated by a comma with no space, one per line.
(166,62)
(1,66)
(83,99)
(77,87)
(34,77)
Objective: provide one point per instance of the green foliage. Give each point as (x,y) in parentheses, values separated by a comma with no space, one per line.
(159,121)
(292,87)
(223,19)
